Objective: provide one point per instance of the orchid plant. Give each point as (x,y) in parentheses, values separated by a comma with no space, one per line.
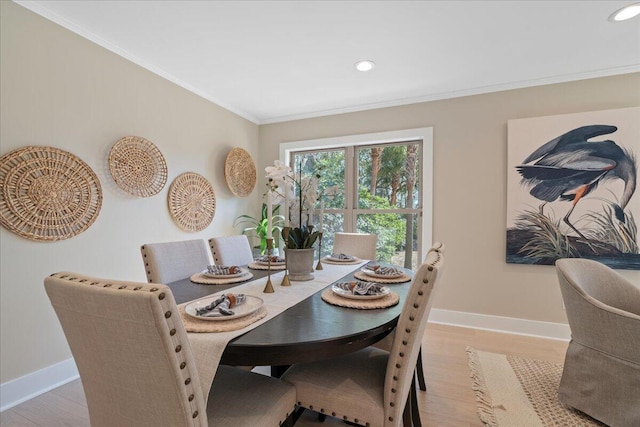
(300,195)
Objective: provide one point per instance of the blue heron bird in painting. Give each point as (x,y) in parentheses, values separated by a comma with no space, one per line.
(570,166)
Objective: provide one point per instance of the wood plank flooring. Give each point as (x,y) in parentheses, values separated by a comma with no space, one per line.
(448,402)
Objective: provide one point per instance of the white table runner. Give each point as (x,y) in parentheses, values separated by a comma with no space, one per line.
(207,348)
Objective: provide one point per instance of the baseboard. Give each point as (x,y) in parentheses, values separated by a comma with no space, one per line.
(21,389)
(29,386)
(510,325)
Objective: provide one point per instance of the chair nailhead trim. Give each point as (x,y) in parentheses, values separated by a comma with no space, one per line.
(392,404)
(333,414)
(167,314)
(183,365)
(108,285)
(420,293)
(390,418)
(415,305)
(430,268)
(355,420)
(178,348)
(191,396)
(395,378)
(311,407)
(161,296)
(425,280)
(137,288)
(401,354)
(322,410)
(345,418)
(172,332)
(412,318)
(195,414)
(122,287)
(153,289)
(404,342)
(407,330)
(187,381)
(393,390)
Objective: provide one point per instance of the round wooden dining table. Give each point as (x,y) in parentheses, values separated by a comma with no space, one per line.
(310,330)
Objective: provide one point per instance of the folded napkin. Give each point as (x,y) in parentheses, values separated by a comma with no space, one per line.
(274,259)
(342,256)
(221,306)
(384,271)
(362,288)
(222,270)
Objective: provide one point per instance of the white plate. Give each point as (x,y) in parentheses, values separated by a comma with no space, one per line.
(372,273)
(267,263)
(354,259)
(250,305)
(347,294)
(224,276)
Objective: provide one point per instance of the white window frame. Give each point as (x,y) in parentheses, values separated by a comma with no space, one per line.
(406,135)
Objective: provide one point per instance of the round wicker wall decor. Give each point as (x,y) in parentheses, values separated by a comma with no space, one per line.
(240,172)
(137,166)
(192,202)
(48,194)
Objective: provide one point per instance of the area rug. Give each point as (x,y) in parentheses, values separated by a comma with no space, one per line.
(518,392)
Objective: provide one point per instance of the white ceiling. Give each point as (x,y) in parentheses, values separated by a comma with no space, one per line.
(271,61)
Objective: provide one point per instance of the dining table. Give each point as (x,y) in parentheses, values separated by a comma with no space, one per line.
(311,329)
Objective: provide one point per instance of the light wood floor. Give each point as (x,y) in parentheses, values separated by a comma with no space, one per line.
(448,402)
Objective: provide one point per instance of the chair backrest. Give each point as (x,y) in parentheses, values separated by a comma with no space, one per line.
(603,308)
(359,245)
(171,261)
(131,349)
(231,250)
(408,336)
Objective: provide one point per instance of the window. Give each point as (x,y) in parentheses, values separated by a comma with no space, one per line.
(376,183)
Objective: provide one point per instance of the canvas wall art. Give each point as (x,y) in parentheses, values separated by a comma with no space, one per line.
(571,188)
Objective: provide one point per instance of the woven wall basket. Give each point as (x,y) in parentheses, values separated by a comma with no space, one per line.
(47,194)
(137,166)
(240,172)
(192,202)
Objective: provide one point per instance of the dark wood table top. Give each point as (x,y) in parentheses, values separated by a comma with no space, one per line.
(310,330)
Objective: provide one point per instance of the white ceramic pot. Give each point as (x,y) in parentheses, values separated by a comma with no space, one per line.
(300,263)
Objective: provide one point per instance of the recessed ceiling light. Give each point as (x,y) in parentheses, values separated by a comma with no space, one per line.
(625,13)
(365,65)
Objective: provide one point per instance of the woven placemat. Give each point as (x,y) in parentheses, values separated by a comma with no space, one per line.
(256,266)
(362,276)
(192,202)
(330,261)
(207,280)
(137,166)
(369,304)
(191,324)
(240,172)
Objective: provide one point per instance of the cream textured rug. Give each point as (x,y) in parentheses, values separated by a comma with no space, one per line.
(518,392)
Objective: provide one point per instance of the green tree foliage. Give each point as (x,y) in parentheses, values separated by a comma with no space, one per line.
(390,228)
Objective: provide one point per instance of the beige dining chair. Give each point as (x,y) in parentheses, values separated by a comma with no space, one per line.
(601,374)
(360,245)
(171,261)
(231,250)
(373,387)
(386,343)
(136,365)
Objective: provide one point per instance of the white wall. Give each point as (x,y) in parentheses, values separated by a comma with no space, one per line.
(58,89)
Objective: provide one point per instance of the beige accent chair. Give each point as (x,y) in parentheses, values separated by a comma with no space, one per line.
(171,261)
(136,364)
(601,375)
(231,250)
(373,387)
(359,245)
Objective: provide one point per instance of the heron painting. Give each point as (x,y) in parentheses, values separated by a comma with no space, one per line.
(576,189)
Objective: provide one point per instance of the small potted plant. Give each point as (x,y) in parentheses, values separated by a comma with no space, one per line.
(259,227)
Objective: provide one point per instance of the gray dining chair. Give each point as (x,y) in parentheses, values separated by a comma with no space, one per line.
(374,387)
(171,261)
(360,245)
(136,365)
(231,250)
(601,374)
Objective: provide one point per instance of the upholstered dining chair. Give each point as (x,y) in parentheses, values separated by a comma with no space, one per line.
(136,365)
(231,250)
(601,375)
(373,387)
(386,343)
(171,261)
(360,245)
